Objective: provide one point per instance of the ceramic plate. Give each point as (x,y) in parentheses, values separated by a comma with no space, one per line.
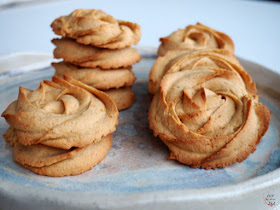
(136,172)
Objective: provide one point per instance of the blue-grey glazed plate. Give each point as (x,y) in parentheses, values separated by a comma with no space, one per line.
(136,173)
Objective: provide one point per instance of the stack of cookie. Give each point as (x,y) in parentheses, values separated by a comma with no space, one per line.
(62,128)
(205,106)
(96,50)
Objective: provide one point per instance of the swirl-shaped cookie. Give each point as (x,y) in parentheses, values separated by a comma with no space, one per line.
(62,114)
(195,60)
(96,28)
(195,37)
(51,161)
(207,118)
(93,57)
(97,78)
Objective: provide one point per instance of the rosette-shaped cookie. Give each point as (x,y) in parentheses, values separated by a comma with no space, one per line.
(206,117)
(92,57)
(96,28)
(96,77)
(64,127)
(195,37)
(195,60)
(51,161)
(62,114)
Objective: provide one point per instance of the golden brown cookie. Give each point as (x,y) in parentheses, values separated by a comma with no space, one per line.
(96,28)
(195,37)
(60,113)
(50,161)
(195,60)
(130,34)
(206,117)
(92,57)
(123,97)
(96,77)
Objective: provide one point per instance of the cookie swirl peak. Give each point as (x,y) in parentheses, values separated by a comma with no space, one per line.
(196,37)
(60,113)
(96,28)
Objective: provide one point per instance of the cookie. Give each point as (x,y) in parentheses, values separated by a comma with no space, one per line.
(96,77)
(206,117)
(177,60)
(50,161)
(195,37)
(96,28)
(60,113)
(93,57)
(123,97)
(130,34)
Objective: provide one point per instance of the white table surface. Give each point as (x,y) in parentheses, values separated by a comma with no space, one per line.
(254,26)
